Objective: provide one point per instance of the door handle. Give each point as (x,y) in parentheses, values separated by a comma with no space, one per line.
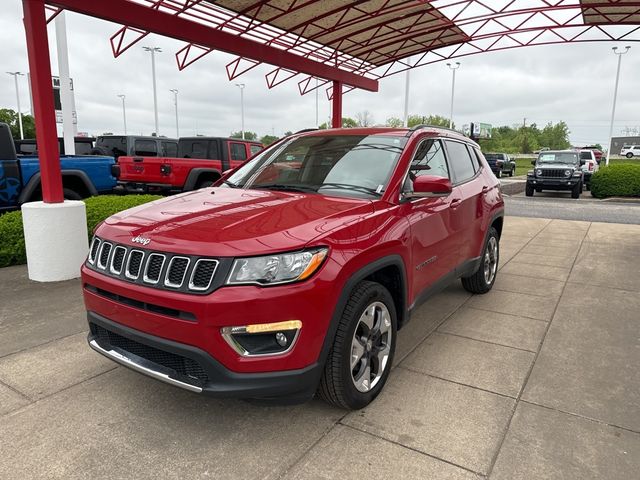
(455,203)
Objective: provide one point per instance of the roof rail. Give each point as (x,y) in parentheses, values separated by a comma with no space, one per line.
(422,125)
(304,130)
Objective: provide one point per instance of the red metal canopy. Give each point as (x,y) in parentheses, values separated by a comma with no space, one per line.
(351,43)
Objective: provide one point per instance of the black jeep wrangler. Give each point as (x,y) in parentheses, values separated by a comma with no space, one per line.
(556,170)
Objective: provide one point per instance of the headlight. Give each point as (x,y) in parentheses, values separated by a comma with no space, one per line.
(538,173)
(276,269)
(567,173)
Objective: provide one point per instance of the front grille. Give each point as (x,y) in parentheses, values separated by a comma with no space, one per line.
(134,264)
(118,259)
(202,274)
(553,173)
(190,370)
(103,260)
(154,267)
(183,273)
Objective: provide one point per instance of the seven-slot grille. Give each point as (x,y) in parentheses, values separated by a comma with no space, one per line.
(553,173)
(160,270)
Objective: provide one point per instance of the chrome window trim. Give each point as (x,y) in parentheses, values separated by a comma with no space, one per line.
(113,256)
(227,334)
(195,268)
(145,278)
(95,239)
(99,263)
(126,268)
(168,283)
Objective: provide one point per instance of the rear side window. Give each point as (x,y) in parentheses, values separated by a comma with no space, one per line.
(238,151)
(462,166)
(195,149)
(115,146)
(255,149)
(429,160)
(145,148)
(169,149)
(83,148)
(585,155)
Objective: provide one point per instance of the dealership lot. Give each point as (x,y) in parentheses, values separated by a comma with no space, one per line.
(537,379)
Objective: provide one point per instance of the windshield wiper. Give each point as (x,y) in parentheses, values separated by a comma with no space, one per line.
(348,186)
(285,187)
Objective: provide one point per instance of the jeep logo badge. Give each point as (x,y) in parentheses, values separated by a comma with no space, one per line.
(141,239)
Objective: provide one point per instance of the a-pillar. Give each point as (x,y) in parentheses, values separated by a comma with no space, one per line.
(336,119)
(55,230)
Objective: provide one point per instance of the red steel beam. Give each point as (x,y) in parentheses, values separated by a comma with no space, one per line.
(162,23)
(336,114)
(35,25)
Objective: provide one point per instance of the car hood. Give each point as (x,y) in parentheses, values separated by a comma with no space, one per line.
(563,166)
(232,222)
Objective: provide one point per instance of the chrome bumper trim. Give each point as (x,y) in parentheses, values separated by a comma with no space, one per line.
(151,369)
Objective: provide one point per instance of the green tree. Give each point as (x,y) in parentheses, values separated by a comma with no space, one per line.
(394,122)
(347,122)
(268,139)
(247,135)
(436,120)
(10,117)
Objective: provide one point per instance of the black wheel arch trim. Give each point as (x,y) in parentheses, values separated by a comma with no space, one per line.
(34,183)
(194,174)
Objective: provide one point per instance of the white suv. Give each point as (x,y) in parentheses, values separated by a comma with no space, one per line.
(589,167)
(630,151)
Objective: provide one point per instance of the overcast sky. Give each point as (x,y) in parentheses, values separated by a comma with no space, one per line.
(573,83)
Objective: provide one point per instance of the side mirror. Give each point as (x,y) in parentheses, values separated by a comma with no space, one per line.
(533,162)
(426,186)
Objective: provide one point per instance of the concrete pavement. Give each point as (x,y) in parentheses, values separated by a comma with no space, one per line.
(538,379)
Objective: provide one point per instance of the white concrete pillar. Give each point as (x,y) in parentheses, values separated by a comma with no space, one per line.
(55,235)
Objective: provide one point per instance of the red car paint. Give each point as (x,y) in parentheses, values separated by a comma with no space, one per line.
(440,233)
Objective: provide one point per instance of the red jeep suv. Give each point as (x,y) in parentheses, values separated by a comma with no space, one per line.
(295,271)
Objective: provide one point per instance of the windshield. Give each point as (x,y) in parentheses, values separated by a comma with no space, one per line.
(338,165)
(493,156)
(558,157)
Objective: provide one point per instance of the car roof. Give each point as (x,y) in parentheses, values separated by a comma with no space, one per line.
(220,138)
(390,131)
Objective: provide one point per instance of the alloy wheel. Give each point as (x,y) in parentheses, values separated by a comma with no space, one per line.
(490,262)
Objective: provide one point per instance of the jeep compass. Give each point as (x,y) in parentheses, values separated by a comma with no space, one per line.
(294,273)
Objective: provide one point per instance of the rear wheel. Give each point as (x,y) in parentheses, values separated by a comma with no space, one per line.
(512,171)
(629,155)
(71,194)
(499,174)
(528,191)
(482,280)
(360,359)
(204,184)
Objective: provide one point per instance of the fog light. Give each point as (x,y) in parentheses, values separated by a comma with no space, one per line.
(262,338)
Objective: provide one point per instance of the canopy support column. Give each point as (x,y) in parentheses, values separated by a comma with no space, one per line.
(35,25)
(336,120)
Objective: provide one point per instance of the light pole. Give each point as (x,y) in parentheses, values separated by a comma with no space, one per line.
(153,51)
(453,68)
(124,113)
(241,87)
(615,96)
(175,103)
(15,78)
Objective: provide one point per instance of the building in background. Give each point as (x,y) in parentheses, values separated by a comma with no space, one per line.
(618,142)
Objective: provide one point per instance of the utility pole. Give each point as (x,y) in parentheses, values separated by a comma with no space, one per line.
(124,113)
(405,118)
(15,78)
(241,87)
(453,68)
(317,124)
(175,102)
(615,96)
(153,51)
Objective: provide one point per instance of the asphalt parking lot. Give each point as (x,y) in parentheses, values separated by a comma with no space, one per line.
(537,379)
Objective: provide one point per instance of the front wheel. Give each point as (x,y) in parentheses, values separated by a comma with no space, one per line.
(629,155)
(528,191)
(499,174)
(576,191)
(483,279)
(360,359)
(512,171)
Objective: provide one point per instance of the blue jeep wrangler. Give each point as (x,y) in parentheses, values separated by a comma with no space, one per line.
(82,175)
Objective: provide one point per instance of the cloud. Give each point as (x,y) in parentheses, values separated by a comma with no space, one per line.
(573,83)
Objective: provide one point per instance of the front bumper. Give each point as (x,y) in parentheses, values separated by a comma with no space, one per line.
(193,369)
(554,183)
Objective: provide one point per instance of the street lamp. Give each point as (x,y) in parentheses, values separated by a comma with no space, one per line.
(175,103)
(15,78)
(124,113)
(241,87)
(453,68)
(153,51)
(615,96)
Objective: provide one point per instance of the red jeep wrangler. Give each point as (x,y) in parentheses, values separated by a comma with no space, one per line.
(199,163)
(295,272)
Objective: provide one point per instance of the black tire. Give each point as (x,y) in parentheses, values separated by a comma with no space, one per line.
(576,191)
(499,174)
(337,385)
(204,184)
(587,186)
(480,281)
(629,155)
(511,172)
(71,194)
(528,190)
